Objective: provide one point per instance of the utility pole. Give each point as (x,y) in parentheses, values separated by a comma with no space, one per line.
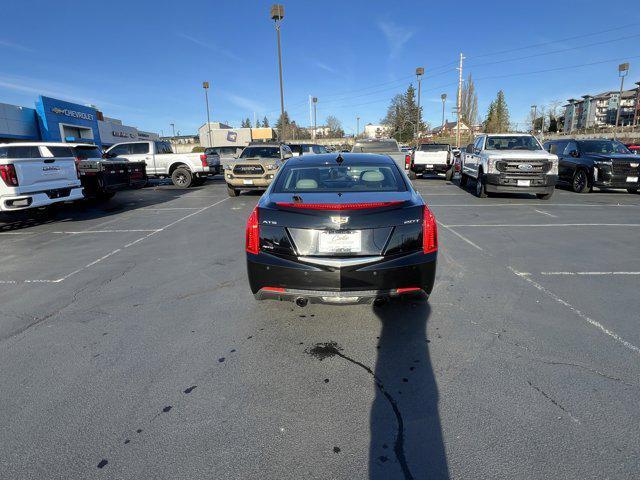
(419,73)
(205,85)
(310,111)
(533,121)
(358,126)
(623,70)
(443,97)
(458,109)
(315,126)
(635,112)
(277,14)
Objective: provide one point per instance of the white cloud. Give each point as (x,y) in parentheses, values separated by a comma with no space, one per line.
(325,67)
(246,103)
(396,36)
(210,46)
(15,46)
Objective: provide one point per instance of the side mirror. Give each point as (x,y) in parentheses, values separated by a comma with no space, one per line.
(456,154)
(470,148)
(108,155)
(574,153)
(287,156)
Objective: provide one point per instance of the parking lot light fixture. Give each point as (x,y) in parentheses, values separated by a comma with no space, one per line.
(623,70)
(419,73)
(205,85)
(277,14)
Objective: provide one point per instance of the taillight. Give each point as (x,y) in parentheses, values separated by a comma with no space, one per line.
(252,244)
(203,159)
(8,174)
(429,232)
(77,167)
(407,162)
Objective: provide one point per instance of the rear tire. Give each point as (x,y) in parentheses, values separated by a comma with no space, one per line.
(544,196)
(105,196)
(232,192)
(448,176)
(412,175)
(580,182)
(464,180)
(632,190)
(481,189)
(182,177)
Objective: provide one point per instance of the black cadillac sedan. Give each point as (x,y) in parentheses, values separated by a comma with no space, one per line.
(341,228)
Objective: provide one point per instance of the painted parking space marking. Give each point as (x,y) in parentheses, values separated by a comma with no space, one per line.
(542,225)
(527,278)
(533,204)
(588,273)
(462,237)
(545,213)
(84,232)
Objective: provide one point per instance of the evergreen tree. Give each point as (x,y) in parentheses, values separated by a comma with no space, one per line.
(246,123)
(265,122)
(497,120)
(284,122)
(258,125)
(402,116)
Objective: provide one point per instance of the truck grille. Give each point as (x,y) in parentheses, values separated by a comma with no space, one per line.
(523,167)
(626,168)
(248,170)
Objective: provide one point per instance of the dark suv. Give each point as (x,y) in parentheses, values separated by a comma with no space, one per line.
(584,164)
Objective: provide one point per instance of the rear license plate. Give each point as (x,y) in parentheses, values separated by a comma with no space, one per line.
(524,183)
(340,242)
(248,182)
(632,179)
(429,166)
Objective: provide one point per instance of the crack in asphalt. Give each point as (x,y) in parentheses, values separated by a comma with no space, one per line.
(552,400)
(330,349)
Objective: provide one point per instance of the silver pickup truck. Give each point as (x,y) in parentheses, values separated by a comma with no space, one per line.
(509,163)
(184,169)
(384,146)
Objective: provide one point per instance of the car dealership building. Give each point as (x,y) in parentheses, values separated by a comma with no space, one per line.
(55,120)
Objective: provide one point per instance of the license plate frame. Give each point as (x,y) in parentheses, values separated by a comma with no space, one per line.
(332,241)
(247,182)
(524,183)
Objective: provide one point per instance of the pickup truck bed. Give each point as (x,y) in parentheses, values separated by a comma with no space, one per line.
(105,177)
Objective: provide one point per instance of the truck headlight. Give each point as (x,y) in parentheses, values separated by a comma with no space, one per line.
(491,165)
(272,166)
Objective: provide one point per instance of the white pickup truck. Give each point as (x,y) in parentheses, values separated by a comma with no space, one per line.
(34,176)
(433,158)
(184,169)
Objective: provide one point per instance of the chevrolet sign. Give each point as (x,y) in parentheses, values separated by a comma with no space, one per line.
(72,113)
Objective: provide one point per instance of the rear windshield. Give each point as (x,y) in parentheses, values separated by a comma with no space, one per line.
(334,178)
(373,147)
(434,147)
(521,142)
(602,146)
(221,150)
(87,152)
(264,152)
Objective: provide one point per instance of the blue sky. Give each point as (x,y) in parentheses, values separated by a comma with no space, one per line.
(144,61)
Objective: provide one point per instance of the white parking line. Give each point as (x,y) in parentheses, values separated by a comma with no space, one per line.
(590,273)
(82,232)
(459,235)
(532,204)
(168,208)
(18,233)
(583,316)
(513,225)
(545,213)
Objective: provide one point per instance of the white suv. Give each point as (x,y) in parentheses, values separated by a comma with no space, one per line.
(36,174)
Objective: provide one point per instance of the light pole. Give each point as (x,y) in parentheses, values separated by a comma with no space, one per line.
(533,121)
(315,126)
(419,73)
(623,69)
(637,107)
(357,127)
(205,85)
(277,14)
(443,97)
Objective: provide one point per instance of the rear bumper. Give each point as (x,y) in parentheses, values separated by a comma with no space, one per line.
(39,199)
(271,276)
(504,183)
(437,168)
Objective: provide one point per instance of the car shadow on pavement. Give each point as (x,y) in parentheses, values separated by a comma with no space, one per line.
(406,435)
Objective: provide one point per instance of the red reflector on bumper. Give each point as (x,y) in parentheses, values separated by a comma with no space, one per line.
(273,289)
(338,206)
(400,291)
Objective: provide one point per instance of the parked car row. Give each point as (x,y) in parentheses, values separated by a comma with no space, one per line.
(39,174)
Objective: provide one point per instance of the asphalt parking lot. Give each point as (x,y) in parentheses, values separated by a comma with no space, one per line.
(131,347)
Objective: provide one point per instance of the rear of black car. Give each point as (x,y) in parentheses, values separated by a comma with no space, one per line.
(345,231)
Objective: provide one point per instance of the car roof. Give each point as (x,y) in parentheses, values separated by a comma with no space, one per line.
(508,134)
(347,158)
